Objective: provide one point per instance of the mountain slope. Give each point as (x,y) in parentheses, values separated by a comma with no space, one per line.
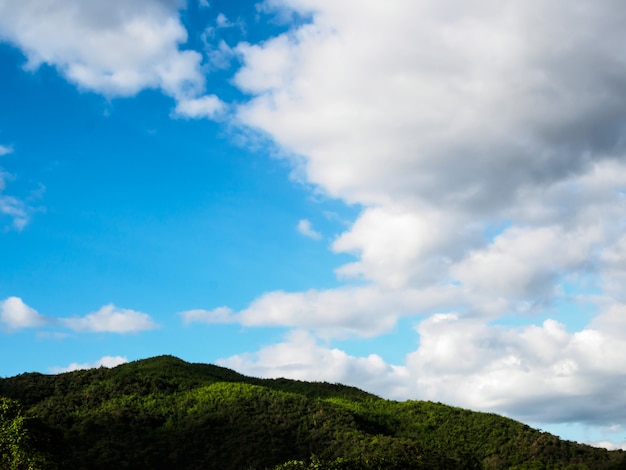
(165,413)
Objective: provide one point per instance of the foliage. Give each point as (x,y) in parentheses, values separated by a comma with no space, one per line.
(23,440)
(165,413)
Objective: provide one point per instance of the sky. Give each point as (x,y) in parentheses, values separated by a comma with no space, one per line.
(424,199)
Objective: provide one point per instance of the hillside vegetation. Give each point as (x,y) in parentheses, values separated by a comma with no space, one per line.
(165,413)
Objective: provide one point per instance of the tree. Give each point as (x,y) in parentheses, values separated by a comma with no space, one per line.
(22,439)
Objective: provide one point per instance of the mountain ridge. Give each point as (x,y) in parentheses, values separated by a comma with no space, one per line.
(163,412)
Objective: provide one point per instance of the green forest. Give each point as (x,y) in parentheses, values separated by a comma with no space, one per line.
(166,413)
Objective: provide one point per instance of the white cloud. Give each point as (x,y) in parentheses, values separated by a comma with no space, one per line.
(222,21)
(13,207)
(486,146)
(426,122)
(610,445)
(204,107)
(362,311)
(399,246)
(106,361)
(217,315)
(306,228)
(541,374)
(418,262)
(116,48)
(446,121)
(300,357)
(451,102)
(219,56)
(15,314)
(110,319)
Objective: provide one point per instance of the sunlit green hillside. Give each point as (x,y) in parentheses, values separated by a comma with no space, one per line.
(166,413)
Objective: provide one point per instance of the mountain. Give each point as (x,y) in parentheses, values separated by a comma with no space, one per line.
(166,413)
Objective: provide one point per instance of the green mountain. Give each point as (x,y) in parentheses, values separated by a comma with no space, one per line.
(165,413)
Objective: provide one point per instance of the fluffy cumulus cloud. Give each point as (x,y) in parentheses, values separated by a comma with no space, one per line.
(15,315)
(442,102)
(301,357)
(116,48)
(105,361)
(541,374)
(111,319)
(486,146)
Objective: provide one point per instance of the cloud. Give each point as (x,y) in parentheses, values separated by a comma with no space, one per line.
(487,155)
(306,228)
(197,108)
(399,246)
(486,147)
(110,319)
(13,207)
(444,123)
(538,373)
(416,263)
(220,56)
(222,21)
(219,53)
(218,315)
(419,121)
(300,357)
(360,311)
(15,315)
(105,361)
(117,48)
(610,445)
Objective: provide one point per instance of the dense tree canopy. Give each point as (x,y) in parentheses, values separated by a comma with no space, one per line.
(165,413)
(24,441)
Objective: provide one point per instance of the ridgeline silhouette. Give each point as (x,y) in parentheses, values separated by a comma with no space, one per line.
(164,413)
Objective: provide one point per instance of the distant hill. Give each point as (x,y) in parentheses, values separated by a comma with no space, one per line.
(166,413)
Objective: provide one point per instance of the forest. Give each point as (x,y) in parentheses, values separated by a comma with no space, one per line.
(163,412)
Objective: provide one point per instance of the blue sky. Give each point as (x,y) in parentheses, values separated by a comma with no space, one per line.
(421,199)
